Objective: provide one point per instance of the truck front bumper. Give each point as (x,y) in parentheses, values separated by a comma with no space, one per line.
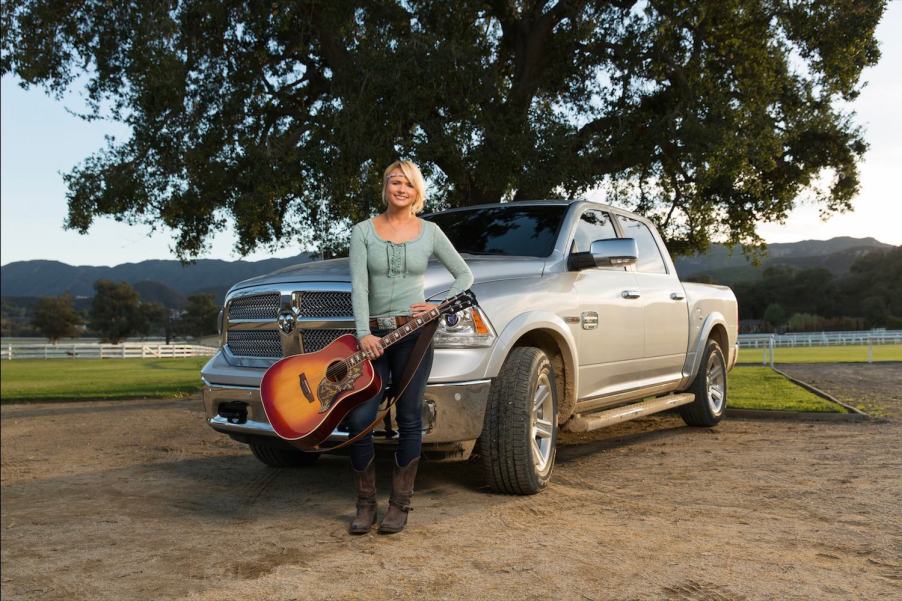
(452,413)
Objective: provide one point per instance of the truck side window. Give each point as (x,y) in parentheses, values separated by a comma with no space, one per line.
(650,260)
(593,225)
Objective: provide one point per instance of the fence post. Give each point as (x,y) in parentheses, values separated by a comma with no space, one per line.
(870,350)
(772,348)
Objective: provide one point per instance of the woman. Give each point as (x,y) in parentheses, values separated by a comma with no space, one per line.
(389,254)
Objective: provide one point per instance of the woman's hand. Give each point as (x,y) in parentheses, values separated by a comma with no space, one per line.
(370,345)
(419,308)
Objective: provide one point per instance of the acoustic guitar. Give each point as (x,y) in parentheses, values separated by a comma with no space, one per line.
(306,396)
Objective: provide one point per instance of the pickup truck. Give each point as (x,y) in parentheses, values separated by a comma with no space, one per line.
(582,322)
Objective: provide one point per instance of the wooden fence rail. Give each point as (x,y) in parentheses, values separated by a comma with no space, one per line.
(129,350)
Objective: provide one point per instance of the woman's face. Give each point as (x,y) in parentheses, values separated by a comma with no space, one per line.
(401,193)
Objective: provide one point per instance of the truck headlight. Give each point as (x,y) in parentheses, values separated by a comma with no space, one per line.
(466,328)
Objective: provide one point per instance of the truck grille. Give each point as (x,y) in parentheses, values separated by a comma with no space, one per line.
(255,347)
(315,340)
(255,343)
(258,306)
(326,304)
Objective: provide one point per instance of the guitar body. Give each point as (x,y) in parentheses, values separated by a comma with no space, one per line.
(306,396)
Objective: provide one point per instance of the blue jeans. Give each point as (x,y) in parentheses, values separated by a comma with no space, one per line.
(408,409)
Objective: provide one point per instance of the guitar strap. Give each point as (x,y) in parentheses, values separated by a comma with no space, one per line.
(413,363)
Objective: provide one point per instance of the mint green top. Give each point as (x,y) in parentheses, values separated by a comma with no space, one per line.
(386,278)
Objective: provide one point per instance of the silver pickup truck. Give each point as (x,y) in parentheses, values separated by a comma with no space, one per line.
(582,322)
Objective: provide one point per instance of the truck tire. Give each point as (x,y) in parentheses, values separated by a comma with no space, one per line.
(276,457)
(710,389)
(519,434)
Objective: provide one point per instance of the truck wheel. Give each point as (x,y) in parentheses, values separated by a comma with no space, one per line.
(520,430)
(710,389)
(276,457)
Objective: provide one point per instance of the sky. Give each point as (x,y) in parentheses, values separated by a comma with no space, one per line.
(40,140)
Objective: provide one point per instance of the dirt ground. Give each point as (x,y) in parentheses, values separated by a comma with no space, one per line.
(141,500)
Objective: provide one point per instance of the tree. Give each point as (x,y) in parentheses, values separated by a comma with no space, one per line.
(709,116)
(157,318)
(56,317)
(775,315)
(200,316)
(116,311)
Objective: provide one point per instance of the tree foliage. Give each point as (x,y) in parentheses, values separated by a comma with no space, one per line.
(200,316)
(709,116)
(870,292)
(56,317)
(116,311)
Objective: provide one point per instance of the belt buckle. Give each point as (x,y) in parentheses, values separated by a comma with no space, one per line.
(386,323)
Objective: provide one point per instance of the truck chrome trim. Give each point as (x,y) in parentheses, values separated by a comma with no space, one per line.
(452,411)
(587,423)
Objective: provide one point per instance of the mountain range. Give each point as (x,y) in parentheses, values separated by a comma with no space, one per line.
(723,266)
(169,282)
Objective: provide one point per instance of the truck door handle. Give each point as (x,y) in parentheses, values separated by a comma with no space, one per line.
(677,296)
(630,294)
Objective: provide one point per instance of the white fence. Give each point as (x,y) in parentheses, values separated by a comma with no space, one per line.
(868,337)
(127,350)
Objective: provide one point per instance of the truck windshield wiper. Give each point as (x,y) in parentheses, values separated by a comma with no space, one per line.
(481,252)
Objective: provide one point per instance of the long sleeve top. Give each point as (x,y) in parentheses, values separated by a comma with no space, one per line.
(386,278)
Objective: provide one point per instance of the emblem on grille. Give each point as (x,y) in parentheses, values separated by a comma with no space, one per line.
(286,322)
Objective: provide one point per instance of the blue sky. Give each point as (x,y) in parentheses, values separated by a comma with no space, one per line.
(40,140)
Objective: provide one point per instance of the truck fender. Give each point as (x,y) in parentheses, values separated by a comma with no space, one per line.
(548,323)
(696,350)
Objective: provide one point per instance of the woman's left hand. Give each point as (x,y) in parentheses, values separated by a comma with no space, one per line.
(419,308)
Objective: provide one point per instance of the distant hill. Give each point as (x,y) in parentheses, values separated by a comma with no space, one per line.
(835,255)
(161,277)
(170,282)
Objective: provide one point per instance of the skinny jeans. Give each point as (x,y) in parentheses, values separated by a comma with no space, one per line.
(408,409)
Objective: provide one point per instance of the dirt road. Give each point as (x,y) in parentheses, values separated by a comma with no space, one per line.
(140,500)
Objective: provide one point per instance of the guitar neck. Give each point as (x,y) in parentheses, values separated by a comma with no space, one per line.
(408,328)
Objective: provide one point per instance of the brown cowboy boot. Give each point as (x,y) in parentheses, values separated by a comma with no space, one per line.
(366,499)
(399,502)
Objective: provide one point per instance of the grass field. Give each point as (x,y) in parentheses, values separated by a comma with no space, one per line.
(62,379)
(824,354)
(763,388)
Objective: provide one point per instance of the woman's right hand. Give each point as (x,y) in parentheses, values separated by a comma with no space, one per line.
(371,346)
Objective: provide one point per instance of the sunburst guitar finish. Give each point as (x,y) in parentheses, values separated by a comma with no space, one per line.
(306,396)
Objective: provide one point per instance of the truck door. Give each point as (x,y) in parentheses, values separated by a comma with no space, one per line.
(610,335)
(664,305)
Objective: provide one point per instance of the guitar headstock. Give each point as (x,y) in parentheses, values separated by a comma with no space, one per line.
(458,302)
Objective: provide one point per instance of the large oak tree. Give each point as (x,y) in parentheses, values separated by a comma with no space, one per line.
(710,116)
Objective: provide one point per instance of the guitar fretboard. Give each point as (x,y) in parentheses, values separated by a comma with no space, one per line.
(395,336)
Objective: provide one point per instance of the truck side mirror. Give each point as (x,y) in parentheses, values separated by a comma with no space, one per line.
(614,252)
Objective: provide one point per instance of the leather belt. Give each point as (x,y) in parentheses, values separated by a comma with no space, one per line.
(389,323)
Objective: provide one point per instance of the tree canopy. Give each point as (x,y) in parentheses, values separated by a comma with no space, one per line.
(709,116)
(116,311)
(56,317)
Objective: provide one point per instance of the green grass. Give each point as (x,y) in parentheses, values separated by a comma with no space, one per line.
(824,354)
(763,388)
(62,379)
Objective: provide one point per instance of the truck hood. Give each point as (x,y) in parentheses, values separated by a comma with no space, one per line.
(436,279)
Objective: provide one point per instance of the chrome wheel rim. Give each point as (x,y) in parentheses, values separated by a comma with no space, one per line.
(717,383)
(542,430)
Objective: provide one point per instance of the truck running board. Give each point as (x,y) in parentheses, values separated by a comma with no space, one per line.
(593,421)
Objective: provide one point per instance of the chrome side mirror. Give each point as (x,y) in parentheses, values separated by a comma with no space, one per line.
(614,252)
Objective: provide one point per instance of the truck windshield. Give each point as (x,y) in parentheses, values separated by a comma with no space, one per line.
(507,229)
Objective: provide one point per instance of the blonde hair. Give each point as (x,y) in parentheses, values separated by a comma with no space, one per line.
(413,175)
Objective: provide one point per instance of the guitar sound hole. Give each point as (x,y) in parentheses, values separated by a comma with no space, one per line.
(336,371)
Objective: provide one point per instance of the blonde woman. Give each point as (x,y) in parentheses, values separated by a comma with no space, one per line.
(389,254)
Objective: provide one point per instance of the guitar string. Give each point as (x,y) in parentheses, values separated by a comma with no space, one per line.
(342,366)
